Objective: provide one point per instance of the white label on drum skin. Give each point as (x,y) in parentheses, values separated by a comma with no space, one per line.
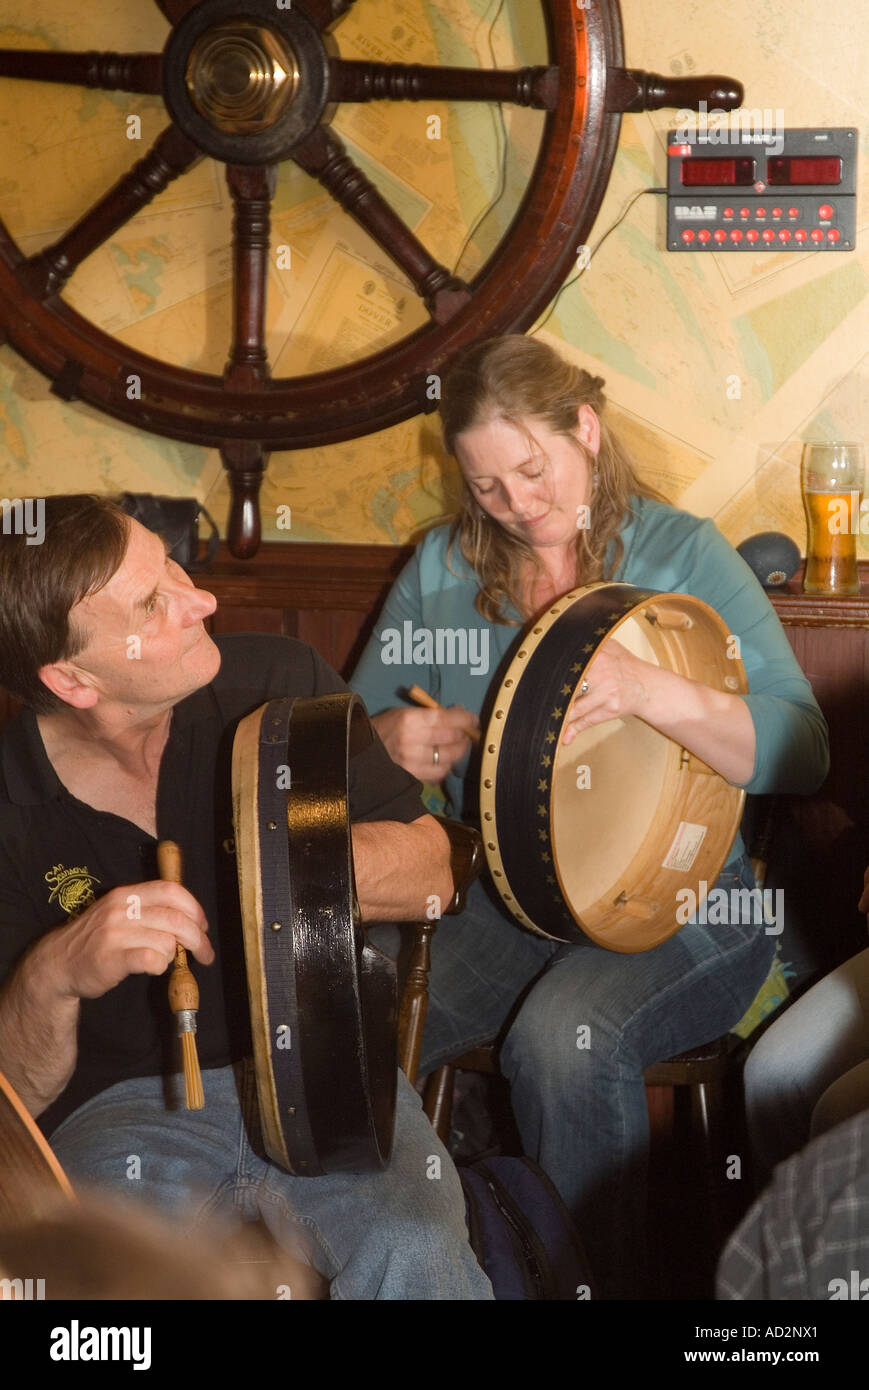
(685,847)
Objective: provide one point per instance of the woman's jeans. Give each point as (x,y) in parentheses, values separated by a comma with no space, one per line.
(579,1025)
(399,1234)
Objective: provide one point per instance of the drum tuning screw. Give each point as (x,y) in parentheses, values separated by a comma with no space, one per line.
(276,926)
(272,825)
(291,1110)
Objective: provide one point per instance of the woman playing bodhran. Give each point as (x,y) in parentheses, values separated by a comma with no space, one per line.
(550,502)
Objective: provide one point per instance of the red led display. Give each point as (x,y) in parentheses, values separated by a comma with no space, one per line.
(711,173)
(808,169)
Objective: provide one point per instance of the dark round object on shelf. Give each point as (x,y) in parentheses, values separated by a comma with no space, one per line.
(773,557)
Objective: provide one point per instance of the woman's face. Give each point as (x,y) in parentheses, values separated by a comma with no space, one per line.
(529,479)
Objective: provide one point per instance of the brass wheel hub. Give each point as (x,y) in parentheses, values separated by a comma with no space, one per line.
(247,82)
(242,76)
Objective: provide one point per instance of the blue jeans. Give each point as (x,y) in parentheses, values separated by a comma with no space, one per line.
(577,1095)
(399,1234)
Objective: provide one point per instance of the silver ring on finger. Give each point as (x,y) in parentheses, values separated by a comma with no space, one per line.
(436,756)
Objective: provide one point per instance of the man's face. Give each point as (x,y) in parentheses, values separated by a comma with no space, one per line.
(147,647)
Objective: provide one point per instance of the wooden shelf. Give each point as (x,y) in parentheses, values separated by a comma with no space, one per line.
(809,610)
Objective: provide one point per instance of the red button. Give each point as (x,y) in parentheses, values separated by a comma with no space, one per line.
(687,235)
(752,234)
(825,212)
(793,212)
(817,234)
(760,212)
(784,234)
(744,212)
(801,234)
(833,234)
(704,235)
(768,234)
(728,212)
(720,234)
(776,212)
(736,234)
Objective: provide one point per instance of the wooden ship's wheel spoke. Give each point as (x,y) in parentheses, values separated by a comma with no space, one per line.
(324,157)
(113,72)
(253,85)
(357,81)
(252,191)
(171,154)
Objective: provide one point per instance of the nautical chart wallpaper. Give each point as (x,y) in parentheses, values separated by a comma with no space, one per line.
(717,366)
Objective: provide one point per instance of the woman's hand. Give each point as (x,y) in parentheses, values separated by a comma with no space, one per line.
(619,684)
(713,725)
(426,742)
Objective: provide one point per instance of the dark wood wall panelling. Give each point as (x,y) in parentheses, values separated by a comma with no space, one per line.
(328,595)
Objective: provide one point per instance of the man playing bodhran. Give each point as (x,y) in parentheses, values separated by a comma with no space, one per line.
(126,737)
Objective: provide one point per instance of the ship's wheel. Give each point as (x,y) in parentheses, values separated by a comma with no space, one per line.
(252,83)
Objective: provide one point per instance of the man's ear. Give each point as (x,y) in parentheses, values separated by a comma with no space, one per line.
(64,681)
(588,429)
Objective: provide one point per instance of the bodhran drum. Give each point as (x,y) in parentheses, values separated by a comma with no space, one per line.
(322,1000)
(596,839)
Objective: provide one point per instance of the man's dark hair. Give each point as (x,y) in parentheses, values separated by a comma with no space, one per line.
(84,544)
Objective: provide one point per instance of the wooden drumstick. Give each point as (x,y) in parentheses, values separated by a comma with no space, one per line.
(422,697)
(183,989)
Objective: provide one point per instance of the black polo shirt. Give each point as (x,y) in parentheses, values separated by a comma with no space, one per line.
(57,854)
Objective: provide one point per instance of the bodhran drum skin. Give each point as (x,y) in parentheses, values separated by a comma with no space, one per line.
(596,839)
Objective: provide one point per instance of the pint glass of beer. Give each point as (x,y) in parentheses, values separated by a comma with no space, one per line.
(832,484)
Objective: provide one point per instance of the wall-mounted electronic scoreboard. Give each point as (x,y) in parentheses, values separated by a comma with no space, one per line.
(739,190)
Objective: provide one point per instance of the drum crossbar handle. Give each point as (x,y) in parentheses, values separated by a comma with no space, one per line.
(636,906)
(668,617)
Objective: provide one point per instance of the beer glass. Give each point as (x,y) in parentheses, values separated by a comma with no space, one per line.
(832,486)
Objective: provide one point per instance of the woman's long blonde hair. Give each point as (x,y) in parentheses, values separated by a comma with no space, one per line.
(520,380)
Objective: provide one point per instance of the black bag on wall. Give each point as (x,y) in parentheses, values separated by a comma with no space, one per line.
(177,520)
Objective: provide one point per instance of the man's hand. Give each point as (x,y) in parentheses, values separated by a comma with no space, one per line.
(131,931)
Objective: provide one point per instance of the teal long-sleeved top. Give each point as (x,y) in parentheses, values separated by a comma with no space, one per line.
(664,548)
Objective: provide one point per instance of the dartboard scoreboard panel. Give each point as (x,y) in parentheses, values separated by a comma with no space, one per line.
(740,190)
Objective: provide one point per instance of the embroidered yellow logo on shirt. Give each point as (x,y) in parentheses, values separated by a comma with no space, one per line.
(73,888)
